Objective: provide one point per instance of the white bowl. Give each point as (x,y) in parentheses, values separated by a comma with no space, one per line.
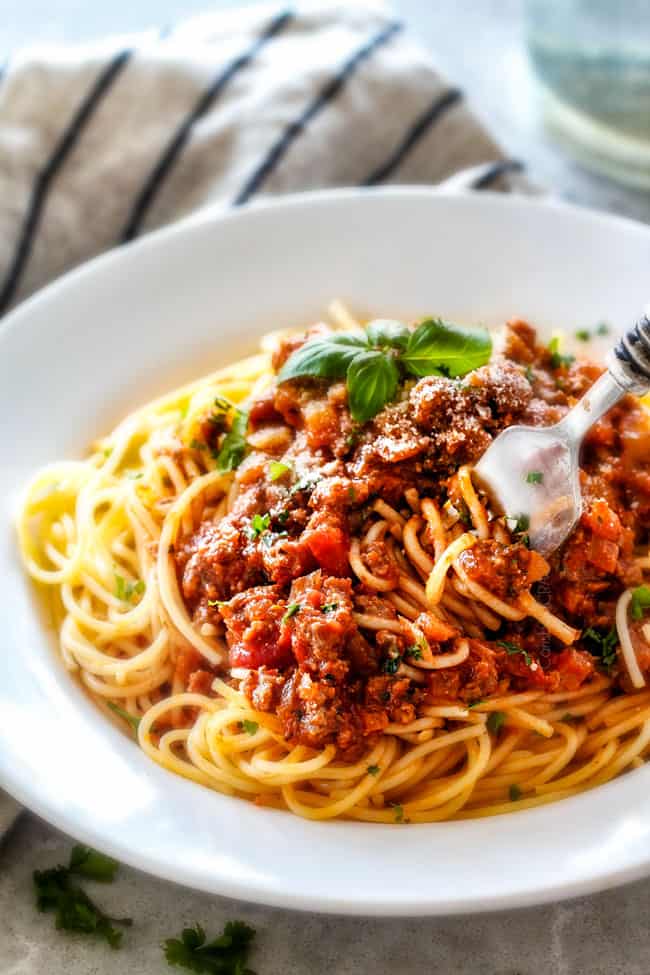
(178,304)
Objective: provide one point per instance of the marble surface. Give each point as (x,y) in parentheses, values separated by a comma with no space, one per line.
(478,44)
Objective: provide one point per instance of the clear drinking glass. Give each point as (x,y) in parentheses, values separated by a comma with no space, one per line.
(592,58)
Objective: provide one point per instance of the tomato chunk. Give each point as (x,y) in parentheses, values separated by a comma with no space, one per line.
(328,541)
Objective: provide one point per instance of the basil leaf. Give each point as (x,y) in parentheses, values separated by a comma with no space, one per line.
(438,348)
(233,447)
(327,357)
(386,333)
(372,382)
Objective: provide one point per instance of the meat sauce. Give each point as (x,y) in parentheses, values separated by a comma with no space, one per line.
(275,570)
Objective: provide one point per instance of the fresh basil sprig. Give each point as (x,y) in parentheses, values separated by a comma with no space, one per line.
(374,363)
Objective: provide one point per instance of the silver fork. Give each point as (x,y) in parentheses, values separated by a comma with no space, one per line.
(531,473)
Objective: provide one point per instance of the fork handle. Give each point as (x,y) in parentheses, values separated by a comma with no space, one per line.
(629,362)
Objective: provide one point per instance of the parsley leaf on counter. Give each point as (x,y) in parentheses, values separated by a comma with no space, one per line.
(375,362)
(225,955)
(233,447)
(75,911)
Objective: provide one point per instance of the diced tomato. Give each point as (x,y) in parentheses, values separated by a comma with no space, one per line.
(328,541)
(602,553)
(574,667)
(602,521)
(256,629)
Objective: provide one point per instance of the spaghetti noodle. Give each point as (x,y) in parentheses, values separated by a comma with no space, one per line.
(326,617)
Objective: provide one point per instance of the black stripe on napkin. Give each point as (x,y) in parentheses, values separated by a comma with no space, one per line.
(324,97)
(66,144)
(175,145)
(418,129)
(497,169)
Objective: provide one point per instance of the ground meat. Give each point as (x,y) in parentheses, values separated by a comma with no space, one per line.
(505,570)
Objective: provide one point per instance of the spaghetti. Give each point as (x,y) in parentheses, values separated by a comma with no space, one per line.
(324,616)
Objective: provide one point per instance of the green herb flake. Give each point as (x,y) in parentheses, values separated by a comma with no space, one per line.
(513,648)
(603,644)
(259,523)
(217,602)
(529,374)
(602,329)
(277,469)
(392,664)
(329,607)
(125,591)
(131,719)
(292,609)
(250,727)
(583,334)
(557,359)
(305,483)
(234,446)
(226,954)
(521,523)
(373,770)
(640,602)
(515,793)
(495,721)
(398,812)
(534,477)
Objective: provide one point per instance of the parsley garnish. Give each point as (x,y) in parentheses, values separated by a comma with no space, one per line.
(557,359)
(305,483)
(217,602)
(127,590)
(522,523)
(132,719)
(529,374)
(640,602)
(374,363)
(534,477)
(225,955)
(495,721)
(398,810)
(277,469)
(583,334)
(391,665)
(329,607)
(515,793)
(512,648)
(602,644)
(417,649)
(57,891)
(250,727)
(602,329)
(259,524)
(233,447)
(292,609)
(373,770)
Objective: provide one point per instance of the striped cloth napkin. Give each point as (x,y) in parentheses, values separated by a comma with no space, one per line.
(104,142)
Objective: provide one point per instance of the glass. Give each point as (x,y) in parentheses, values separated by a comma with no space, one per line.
(592,58)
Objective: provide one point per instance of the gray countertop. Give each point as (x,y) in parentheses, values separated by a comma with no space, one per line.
(478,44)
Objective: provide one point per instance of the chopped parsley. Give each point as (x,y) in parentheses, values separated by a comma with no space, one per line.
(127,590)
(602,329)
(602,644)
(226,954)
(495,721)
(391,665)
(398,811)
(306,483)
(57,891)
(529,374)
(233,446)
(640,602)
(417,649)
(250,727)
(522,523)
(277,469)
(515,792)
(259,524)
(373,770)
(217,602)
(534,477)
(583,334)
(557,359)
(292,609)
(282,517)
(512,648)
(131,719)
(329,607)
